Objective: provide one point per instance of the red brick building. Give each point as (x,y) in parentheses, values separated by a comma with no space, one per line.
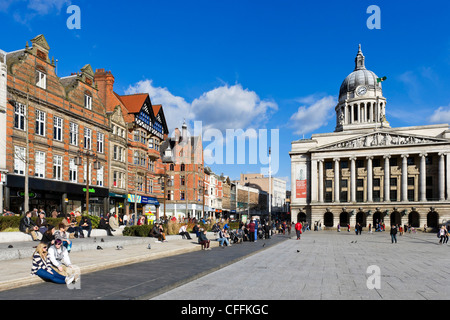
(185,187)
(60,117)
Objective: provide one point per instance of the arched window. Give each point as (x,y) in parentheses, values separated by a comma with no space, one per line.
(182,168)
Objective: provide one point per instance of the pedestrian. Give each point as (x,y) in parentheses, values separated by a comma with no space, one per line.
(28,226)
(62,235)
(203,240)
(41,222)
(393,234)
(48,237)
(183,232)
(446,234)
(223,238)
(86,224)
(370,228)
(104,224)
(158,233)
(348,227)
(251,230)
(441,234)
(298,229)
(339,227)
(41,266)
(59,257)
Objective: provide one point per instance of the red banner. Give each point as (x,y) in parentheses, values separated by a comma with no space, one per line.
(301,189)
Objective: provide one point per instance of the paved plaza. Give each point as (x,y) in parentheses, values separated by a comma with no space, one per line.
(332,266)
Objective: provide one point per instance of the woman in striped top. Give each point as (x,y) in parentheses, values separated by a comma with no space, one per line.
(41,266)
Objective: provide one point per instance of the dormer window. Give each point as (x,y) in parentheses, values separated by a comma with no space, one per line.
(41,79)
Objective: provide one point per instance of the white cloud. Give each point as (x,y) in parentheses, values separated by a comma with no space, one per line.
(225,107)
(441,115)
(43,7)
(232,107)
(313,116)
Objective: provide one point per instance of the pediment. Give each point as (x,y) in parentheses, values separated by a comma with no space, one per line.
(381,139)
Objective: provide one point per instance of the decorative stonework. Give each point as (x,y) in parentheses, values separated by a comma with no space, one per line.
(381,139)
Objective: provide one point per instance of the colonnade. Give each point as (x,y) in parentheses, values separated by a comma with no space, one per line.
(317,177)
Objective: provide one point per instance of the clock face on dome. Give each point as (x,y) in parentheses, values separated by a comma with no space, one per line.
(360,91)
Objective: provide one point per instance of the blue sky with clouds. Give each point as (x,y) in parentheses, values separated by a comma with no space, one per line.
(247,64)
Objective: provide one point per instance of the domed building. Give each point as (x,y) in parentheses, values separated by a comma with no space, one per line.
(367,172)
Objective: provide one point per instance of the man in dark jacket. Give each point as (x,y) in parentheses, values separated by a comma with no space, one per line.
(104,224)
(86,224)
(157,232)
(394,234)
(28,226)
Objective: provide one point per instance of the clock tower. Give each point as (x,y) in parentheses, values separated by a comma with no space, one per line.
(361,103)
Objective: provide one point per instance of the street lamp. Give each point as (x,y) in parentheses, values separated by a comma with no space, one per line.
(78,160)
(166,159)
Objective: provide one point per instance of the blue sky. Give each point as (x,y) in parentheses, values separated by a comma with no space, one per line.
(247,64)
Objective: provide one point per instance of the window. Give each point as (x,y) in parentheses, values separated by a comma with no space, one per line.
(19,160)
(87,138)
(359,196)
(73,171)
(376,182)
(140,183)
(410,161)
(182,167)
(344,183)
(57,128)
(39,163)
(118,179)
(100,142)
(88,102)
(411,195)
(57,167)
(344,164)
(73,134)
(136,158)
(410,181)
(40,123)
(19,116)
(100,177)
(136,135)
(360,182)
(393,182)
(182,195)
(328,165)
(182,181)
(143,137)
(328,183)
(41,79)
(393,195)
(393,162)
(150,143)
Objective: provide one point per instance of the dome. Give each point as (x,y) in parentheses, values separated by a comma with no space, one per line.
(359,77)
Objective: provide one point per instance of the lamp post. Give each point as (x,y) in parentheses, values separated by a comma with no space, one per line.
(97,165)
(166,159)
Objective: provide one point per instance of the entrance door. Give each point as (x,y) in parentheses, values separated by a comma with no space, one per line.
(344,219)
(361,218)
(414,219)
(433,219)
(328,219)
(396,218)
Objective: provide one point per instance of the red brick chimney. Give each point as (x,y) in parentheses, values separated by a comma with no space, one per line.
(105,85)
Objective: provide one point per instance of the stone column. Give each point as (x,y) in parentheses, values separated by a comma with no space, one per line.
(336,180)
(313,180)
(369,179)
(352,179)
(352,113)
(404,177)
(423,178)
(320,163)
(441,176)
(387,182)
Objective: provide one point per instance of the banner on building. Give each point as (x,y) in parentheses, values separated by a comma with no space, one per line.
(300,182)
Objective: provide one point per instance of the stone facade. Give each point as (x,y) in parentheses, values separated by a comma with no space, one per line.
(367,171)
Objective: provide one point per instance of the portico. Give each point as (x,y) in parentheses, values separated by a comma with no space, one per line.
(365,170)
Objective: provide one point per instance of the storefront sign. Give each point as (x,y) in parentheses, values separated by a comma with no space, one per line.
(91,190)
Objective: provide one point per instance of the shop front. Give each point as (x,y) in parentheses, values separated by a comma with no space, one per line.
(146,206)
(52,195)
